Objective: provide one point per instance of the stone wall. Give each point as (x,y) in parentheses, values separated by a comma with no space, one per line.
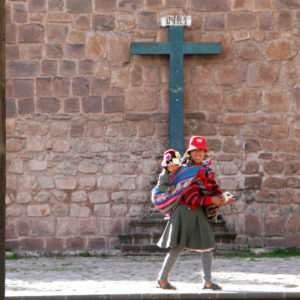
(87,123)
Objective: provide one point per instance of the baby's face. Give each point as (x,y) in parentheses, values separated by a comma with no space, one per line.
(173,168)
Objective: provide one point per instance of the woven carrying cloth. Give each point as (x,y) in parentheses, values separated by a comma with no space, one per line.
(186,176)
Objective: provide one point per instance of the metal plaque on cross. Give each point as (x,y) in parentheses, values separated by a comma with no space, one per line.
(176,48)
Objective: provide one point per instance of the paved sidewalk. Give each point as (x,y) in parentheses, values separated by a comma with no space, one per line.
(134,277)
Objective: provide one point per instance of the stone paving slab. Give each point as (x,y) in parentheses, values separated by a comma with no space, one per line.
(130,277)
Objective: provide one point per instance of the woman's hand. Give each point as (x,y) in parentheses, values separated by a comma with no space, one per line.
(231,200)
(218,201)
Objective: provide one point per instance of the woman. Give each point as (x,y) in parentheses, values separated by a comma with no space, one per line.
(188,226)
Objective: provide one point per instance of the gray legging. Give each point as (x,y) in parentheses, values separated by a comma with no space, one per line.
(172,256)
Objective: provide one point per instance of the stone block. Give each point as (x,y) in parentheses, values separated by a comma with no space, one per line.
(61,146)
(209,98)
(279,50)
(137,76)
(176,3)
(67,226)
(59,18)
(59,129)
(276,101)
(57,33)
(67,68)
(13,211)
(273,167)
(129,5)
(103,22)
(292,241)
(211,6)
(80,86)
(86,66)
(11,109)
(241,101)
(55,4)
(61,211)
(266,20)
(127,183)
(263,5)
(100,86)
(65,183)
(53,243)
(102,210)
(76,51)
(138,197)
(105,5)
(252,182)
(31,244)
(87,167)
(292,182)
(23,226)
(14,145)
(108,182)
(261,74)
(287,4)
(43,227)
(86,182)
(45,182)
(77,130)
(23,88)
(10,34)
(49,67)
(48,104)
(79,197)
(98,197)
(75,242)
(38,210)
(118,56)
(236,20)
(88,226)
(96,243)
(61,86)
(12,52)
(274,226)
(293,224)
(25,106)
(79,211)
(71,105)
(42,196)
(31,33)
(23,68)
(113,104)
(79,7)
(19,13)
(215,22)
(253,225)
(119,197)
(43,86)
(109,227)
(92,104)
(251,167)
(54,51)
(119,211)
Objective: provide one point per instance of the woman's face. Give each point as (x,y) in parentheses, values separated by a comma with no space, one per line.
(197,155)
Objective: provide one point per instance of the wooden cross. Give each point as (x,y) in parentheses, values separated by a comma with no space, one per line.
(176,48)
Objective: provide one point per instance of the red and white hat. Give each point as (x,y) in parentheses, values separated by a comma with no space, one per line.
(197,142)
(171,157)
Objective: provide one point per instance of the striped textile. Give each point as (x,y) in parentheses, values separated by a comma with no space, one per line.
(166,201)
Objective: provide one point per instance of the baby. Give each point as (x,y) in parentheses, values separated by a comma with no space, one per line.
(170,164)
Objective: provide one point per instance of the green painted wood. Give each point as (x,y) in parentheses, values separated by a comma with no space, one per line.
(176,48)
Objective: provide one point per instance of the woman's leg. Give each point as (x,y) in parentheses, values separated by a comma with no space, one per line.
(169,262)
(207,265)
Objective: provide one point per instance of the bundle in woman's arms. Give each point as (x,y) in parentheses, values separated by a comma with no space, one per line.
(212,211)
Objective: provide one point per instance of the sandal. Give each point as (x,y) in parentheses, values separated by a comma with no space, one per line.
(167,286)
(213,287)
